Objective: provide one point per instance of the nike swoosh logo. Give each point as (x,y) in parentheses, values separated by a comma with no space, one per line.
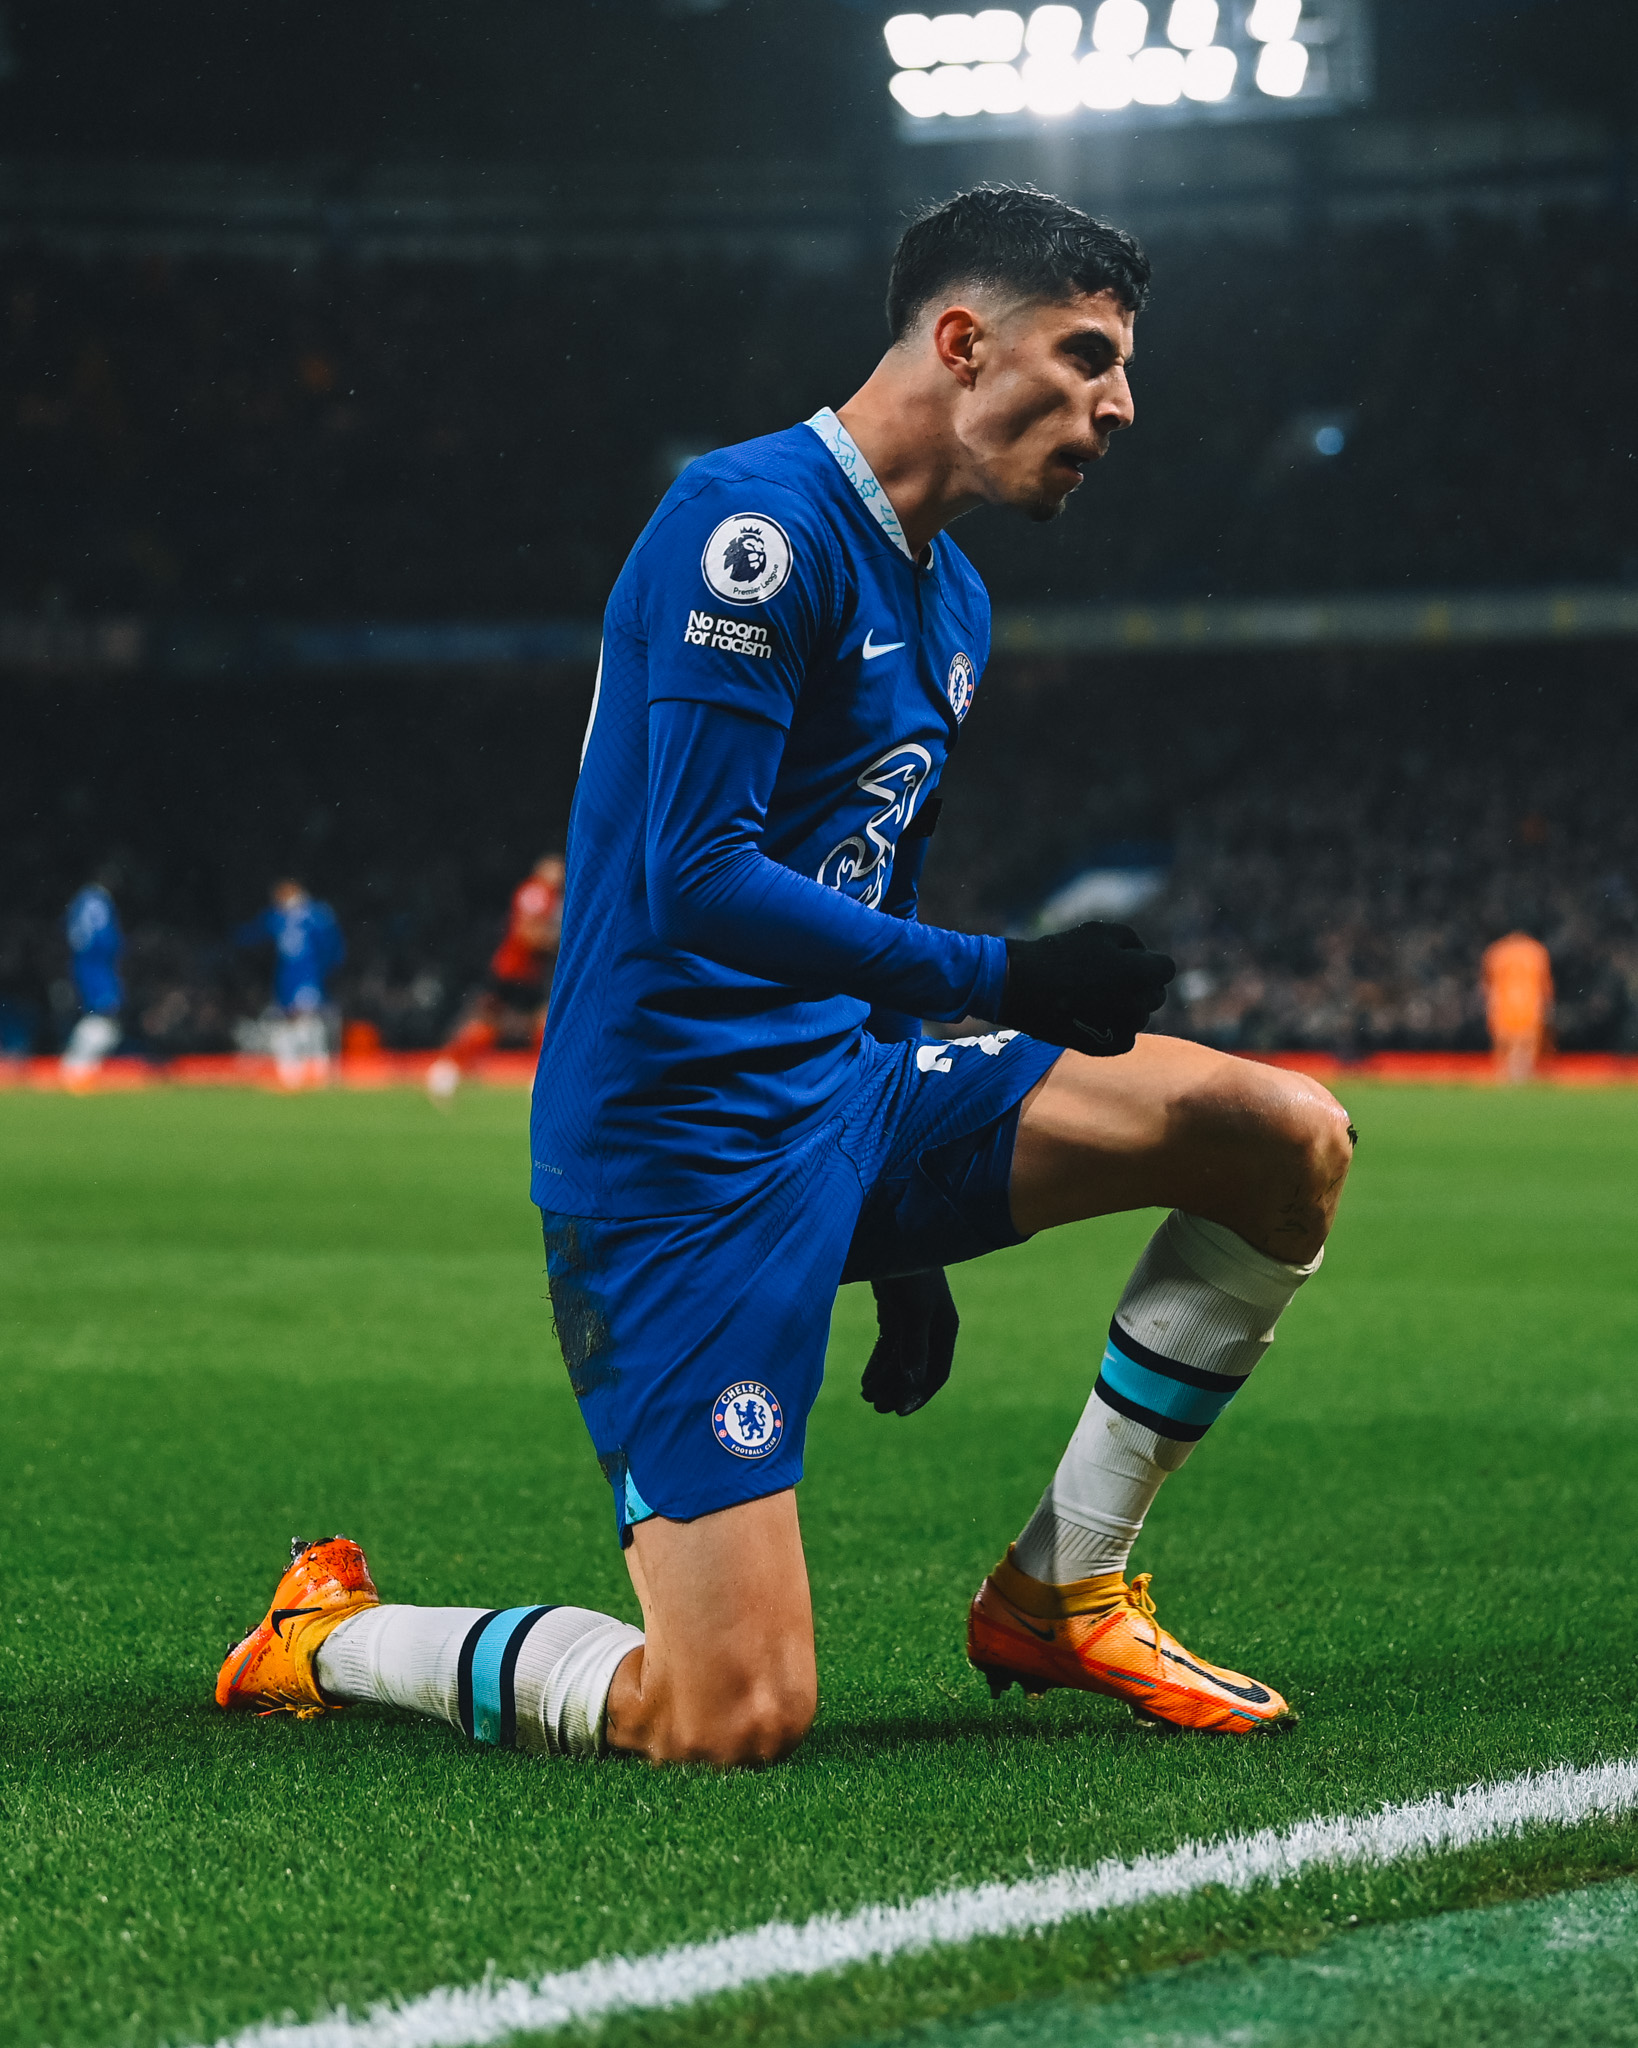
(870,653)
(1097,1037)
(1254,1692)
(1041,1635)
(281,1615)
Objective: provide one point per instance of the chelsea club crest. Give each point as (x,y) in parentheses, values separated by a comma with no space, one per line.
(959,689)
(748,1420)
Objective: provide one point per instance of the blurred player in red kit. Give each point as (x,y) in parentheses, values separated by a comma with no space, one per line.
(510,1007)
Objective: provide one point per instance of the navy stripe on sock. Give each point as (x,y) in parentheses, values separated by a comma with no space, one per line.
(1162,1425)
(508,1736)
(474,1636)
(1186,1375)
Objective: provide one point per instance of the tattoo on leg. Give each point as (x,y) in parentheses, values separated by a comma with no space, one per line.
(1296,1220)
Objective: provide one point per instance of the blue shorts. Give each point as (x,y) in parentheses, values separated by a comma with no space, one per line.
(696,1344)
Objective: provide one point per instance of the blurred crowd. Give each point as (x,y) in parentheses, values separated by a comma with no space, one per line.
(1341,836)
(1332,841)
(1346,836)
(211,436)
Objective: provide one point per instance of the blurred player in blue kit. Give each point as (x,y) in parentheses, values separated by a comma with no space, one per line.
(96,945)
(307,949)
(737,1108)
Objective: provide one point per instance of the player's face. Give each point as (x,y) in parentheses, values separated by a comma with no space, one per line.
(1050,389)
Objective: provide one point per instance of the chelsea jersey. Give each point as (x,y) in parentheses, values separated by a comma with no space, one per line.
(773,583)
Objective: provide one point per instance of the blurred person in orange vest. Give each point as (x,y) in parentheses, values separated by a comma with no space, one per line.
(1518,997)
(510,1007)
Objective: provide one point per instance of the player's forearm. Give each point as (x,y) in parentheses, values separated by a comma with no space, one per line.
(712,891)
(745,911)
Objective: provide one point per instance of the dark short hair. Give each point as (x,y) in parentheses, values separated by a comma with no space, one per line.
(1014,239)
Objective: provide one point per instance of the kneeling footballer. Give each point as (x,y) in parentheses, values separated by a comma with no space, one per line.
(737,1107)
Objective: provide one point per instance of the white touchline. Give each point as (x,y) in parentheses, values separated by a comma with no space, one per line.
(479,2013)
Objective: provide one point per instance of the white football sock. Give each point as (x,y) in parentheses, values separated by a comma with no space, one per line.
(91,1040)
(523,1677)
(1197,1314)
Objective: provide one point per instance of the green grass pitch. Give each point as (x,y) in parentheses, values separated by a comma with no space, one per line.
(227,1319)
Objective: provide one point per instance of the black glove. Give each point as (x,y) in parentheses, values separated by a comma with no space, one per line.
(1090,989)
(917,1321)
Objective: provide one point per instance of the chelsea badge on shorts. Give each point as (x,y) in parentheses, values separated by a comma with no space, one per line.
(960,687)
(748,1420)
(748,559)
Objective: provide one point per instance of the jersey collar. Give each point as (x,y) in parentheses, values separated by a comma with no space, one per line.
(860,475)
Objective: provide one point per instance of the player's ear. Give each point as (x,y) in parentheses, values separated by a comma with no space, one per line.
(956,335)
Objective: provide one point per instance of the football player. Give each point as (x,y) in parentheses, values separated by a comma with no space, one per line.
(737,1107)
(95,945)
(307,949)
(1517,977)
(511,1005)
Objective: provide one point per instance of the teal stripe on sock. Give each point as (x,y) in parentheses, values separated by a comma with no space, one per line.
(1175,1399)
(486,1673)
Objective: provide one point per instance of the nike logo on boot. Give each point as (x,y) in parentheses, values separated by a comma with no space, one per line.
(281,1615)
(1253,1692)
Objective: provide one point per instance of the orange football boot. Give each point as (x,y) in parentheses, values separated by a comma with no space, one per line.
(273,1667)
(1101,1635)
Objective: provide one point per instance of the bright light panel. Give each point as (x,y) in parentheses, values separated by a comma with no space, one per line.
(1274,21)
(910,41)
(1209,74)
(1052,85)
(1192,23)
(1157,77)
(957,93)
(953,38)
(1053,32)
(1000,88)
(916,93)
(1106,81)
(998,35)
(961,65)
(1119,27)
(1281,69)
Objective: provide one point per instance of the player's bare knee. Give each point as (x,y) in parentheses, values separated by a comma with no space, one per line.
(769,1731)
(760,1727)
(1306,1149)
(1328,1138)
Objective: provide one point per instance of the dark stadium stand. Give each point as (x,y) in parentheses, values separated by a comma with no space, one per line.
(1347,831)
(212,454)
(215,436)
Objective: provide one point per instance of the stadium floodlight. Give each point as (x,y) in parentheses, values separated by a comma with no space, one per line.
(1192,24)
(1208,75)
(1329,440)
(1274,21)
(910,43)
(1281,69)
(916,93)
(957,91)
(1119,27)
(998,35)
(1157,77)
(1053,32)
(998,71)
(954,37)
(1052,85)
(1000,87)
(1106,81)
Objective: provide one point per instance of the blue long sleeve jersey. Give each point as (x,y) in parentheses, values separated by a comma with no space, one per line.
(779,688)
(96,943)
(307,949)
